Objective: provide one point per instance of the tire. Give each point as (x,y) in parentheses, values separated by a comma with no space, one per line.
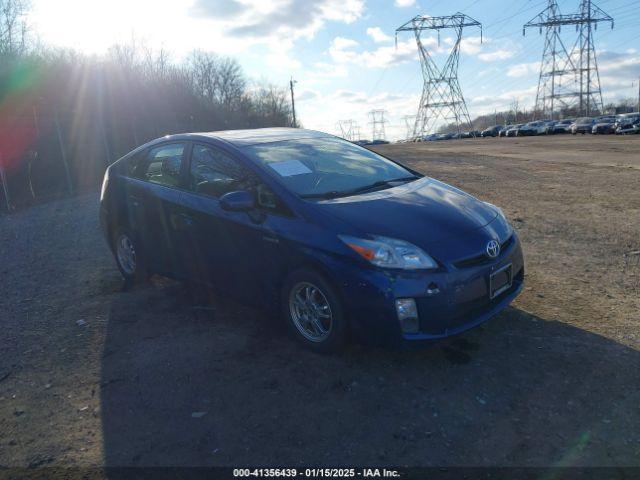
(132,269)
(332,333)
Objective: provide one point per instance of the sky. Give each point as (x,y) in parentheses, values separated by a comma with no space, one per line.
(342,53)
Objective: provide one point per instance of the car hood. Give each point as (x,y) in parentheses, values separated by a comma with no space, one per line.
(423,212)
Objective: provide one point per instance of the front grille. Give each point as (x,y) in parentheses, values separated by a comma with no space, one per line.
(483,257)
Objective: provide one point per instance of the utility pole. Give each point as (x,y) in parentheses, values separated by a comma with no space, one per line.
(638,94)
(569,78)
(293,103)
(442,98)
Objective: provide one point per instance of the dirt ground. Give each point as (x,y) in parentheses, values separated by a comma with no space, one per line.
(94,375)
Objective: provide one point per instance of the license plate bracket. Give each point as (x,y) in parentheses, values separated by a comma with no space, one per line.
(500,280)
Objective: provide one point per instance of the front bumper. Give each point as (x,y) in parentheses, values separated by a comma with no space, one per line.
(461,303)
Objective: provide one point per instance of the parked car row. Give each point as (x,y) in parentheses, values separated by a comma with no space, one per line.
(628,123)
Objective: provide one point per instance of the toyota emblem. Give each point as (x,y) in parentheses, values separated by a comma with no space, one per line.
(493,249)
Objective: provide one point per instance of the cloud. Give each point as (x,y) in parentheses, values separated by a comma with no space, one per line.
(378,35)
(523,69)
(383,57)
(403,3)
(468,45)
(343,50)
(306,95)
(328,70)
(349,96)
(292,19)
(217,8)
(496,55)
(471,45)
(282,60)
(481,104)
(622,65)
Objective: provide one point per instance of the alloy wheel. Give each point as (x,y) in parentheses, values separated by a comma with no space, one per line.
(310,311)
(126,254)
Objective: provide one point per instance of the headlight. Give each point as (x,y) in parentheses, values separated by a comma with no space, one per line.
(390,252)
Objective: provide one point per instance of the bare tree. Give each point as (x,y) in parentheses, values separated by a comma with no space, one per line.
(13,27)
(128,56)
(229,83)
(202,67)
(271,105)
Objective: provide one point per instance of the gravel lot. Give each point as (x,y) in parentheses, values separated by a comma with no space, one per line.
(94,375)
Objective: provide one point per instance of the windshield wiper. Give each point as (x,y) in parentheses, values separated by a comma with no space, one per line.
(382,183)
(346,193)
(324,195)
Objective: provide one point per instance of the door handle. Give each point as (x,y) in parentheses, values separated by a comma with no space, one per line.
(269,238)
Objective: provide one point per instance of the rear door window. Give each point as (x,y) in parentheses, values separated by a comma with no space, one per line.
(163,165)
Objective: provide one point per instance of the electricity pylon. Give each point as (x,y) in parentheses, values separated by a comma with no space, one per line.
(569,79)
(442,97)
(349,129)
(377,124)
(409,122)
(356,133)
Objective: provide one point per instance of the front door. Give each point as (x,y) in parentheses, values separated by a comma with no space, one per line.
(234,251)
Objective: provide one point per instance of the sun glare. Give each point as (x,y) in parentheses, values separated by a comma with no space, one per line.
(92,27)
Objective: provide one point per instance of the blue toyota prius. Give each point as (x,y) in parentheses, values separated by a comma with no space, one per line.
(341,241)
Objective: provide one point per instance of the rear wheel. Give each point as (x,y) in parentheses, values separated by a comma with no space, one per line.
(128,256)
(314,312)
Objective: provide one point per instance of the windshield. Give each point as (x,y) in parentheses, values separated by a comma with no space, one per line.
(326,167)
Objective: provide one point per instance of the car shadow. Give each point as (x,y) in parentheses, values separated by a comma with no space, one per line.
(213,382)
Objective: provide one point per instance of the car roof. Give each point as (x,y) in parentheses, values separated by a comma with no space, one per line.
(240,138)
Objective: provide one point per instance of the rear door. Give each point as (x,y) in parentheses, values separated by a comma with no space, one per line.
(152,195)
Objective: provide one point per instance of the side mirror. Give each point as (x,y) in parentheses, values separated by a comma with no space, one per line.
(240,201)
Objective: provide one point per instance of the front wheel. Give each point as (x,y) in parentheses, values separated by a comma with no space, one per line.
(314,311)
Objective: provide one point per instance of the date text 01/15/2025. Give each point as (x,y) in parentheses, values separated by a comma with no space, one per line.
(316,472)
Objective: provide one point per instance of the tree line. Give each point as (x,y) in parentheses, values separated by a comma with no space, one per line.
(65,116)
